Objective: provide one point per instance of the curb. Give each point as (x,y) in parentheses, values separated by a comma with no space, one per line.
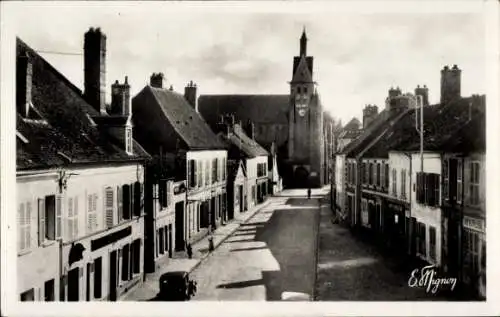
(216,245)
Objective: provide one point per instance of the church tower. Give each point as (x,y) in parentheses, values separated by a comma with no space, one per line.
(305,135)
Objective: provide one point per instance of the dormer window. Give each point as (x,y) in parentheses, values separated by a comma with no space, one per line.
(128,141)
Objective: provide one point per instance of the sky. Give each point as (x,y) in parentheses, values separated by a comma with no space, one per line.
(224,49)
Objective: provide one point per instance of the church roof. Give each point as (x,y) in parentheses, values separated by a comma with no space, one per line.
(270,109)
(60,129)
(302,72)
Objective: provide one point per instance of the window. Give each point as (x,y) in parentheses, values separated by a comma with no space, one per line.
(48,291)
(382,175)
(28,296)
(91,213)
(128,141)
(370,180)
(137,206)
(432,243)
(214,170)
(474,183)
(125,262)
(136,247)
(459,180)
(98,277)
(364,172)
(428,189)
(364,212)
(126,200)
(53,217)
(421,239)
(224,167)
(386,172)
(72,220)
(378,174)
(367,174)
(394,182)
(192,173)
(446,180)
(403,184)
(108,194)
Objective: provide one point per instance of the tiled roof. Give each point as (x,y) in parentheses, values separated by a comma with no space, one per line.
(62,131)
(378,125)
(353,124)
(456,127)
(162,114)
(350,134)
(248,145)
(257,108)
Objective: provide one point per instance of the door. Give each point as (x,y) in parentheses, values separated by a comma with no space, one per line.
(179,226)
(212,213)
(170,239)
(74,285)
(240,193)
(112,275)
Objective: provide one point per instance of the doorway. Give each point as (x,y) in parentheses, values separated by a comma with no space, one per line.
(212,213)
(241,198)
(301,177)
(112,275)
(74,285)
(179,226)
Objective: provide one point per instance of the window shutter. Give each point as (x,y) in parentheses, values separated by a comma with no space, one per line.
(41,220)
(169,193)
(58,217)
(109,207)
(382,175)
(419,187)
(28,225)
(89,212)
(436,191)
(75,217)
(69,222)
(469,176)
(22,234)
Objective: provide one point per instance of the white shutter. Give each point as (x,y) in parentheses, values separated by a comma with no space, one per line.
(41,220)
(75,217)
(58,216)
(89,213)
(69,225)
(95,212)
(28,225)
(169,193)
(22,234)
(109,207)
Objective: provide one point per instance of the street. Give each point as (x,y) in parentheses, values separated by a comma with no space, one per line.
(273,252)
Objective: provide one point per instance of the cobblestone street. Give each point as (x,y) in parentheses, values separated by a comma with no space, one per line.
(350,269)
(272,253)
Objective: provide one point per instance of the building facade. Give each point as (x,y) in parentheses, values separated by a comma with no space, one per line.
(80,177)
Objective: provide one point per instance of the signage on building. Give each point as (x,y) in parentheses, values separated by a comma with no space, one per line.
(476,224)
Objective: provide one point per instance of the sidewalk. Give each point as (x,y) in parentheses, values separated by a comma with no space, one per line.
(149,288)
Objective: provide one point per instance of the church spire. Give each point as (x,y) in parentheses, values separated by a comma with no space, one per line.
(303,43)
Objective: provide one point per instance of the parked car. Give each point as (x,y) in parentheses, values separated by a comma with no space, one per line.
(176,286)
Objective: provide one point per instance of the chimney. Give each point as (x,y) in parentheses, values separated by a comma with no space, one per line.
(95,69)
(450,84)
(120,99)
(190,95)
(369,114)
(250,129)
(424,92)
(24,78)
(156,80)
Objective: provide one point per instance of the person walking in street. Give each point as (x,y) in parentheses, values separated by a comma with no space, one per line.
(309,193)
(189,251)
(210,243)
